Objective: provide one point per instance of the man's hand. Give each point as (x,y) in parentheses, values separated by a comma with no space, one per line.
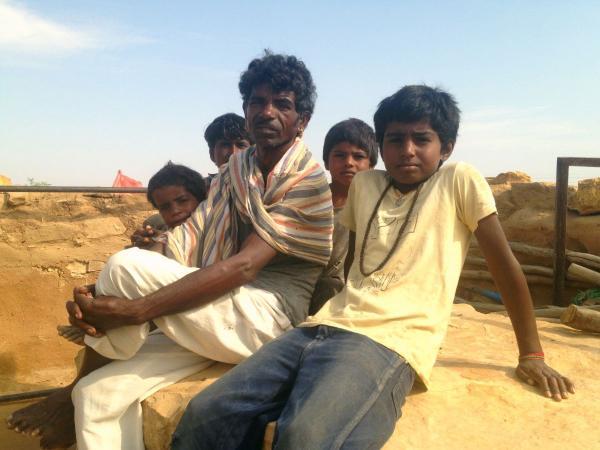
(85,294)
(549,381)
(95,315)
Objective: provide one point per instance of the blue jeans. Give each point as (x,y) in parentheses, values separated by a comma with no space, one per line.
(327,388)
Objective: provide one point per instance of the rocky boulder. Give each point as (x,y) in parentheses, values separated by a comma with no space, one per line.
(586,200)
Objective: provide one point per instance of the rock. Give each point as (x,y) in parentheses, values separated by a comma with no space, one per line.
(475,400)
(95,228)
(77,269)
(539,195)
(586,200)
(510,177)
(14,202)
(162,411)
(101,227)
(95,266)
(503,196)
(530,225)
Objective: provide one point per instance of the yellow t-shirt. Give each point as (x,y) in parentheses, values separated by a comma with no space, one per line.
(406,305)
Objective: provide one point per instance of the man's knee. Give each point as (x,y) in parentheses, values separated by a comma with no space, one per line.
(121,263)
(123,270)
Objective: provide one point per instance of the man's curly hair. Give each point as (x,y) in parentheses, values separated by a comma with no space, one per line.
(283,73)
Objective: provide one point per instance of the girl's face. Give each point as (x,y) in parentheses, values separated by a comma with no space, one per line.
(175,204)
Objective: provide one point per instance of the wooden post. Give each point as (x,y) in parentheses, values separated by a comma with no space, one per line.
(560,229)
(560,220)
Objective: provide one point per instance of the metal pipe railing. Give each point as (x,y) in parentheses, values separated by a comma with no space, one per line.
(19,397)
(78,189)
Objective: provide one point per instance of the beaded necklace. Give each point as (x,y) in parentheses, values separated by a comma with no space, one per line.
(400,233)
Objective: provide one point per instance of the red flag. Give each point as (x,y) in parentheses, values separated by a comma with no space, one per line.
(125,181)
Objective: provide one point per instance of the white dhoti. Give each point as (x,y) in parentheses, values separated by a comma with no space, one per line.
(228,329)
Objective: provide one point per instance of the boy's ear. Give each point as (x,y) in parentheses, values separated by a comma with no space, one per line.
(447,151)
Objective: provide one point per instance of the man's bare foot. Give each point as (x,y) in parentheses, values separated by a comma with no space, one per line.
(71,334)
(51,419)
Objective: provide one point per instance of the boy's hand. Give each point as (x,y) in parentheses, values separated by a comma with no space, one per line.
(552,383)
(142,237)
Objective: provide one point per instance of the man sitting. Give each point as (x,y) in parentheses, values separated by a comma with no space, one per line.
(241,271)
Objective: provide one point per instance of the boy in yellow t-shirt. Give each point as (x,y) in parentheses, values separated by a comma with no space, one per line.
(340,379)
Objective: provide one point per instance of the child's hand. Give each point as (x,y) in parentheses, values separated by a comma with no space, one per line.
(142,237)
(552,383)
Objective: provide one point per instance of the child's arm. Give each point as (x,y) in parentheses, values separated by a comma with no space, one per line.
(512,284)
(349,254)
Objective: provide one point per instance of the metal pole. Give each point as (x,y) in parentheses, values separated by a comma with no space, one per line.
(26,395)
(81,189)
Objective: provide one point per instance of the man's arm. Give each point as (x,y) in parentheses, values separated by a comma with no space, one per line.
(191,291)
(512,284)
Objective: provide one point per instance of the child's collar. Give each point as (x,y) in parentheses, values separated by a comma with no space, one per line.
(408,188)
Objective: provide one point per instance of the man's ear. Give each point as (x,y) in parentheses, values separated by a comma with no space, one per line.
(447,151)
(304,119)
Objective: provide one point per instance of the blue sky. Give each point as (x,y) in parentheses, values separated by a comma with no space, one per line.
(90,87)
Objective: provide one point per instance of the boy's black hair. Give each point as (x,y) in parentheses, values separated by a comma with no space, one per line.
(282,73)
(355,132)
(229,126)
(177,175)
(416,103)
